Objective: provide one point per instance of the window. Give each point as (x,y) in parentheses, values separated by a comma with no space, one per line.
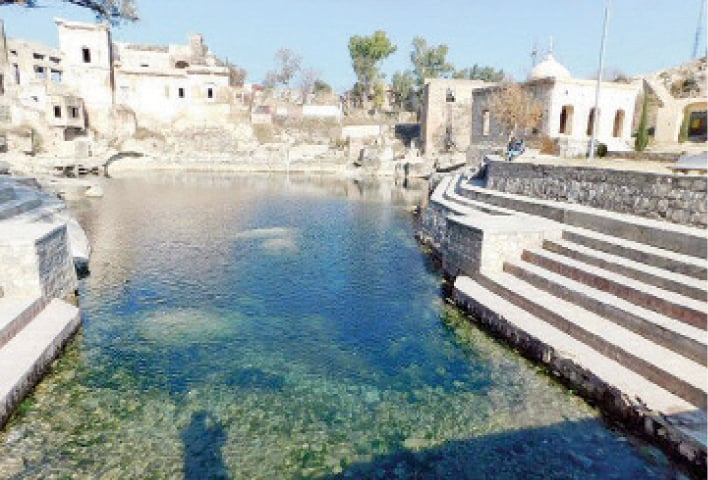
(57,111)
(619,123)
(86,54)
(16,72)
(73,112)
(566,120)
(13,52)
(485,122)
(2,84)
(144,65)
(181,64)
(591,122)
(40,72)
(54,60)
(450,95)
(180,92)
(56,76)
(210,92)
(38,56)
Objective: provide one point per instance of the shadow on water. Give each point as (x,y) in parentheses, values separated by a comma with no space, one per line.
(203,439)
(568,450)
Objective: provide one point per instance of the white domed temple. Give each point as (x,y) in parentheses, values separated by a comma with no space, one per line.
(567,105)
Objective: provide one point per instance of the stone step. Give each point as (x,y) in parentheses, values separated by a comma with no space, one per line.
(25,358)
(681,338)
(674,282)
(677,374)
(7,193)
(646,254)
(668,303)
(16,313)
(677,238)
(18,206)
(523,328)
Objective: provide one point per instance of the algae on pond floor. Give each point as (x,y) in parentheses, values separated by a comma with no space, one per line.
(203,356)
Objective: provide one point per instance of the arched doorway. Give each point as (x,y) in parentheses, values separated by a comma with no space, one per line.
(619,124)
(695,122)
(566,120)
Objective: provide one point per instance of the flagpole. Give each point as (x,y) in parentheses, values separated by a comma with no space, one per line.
(596,116)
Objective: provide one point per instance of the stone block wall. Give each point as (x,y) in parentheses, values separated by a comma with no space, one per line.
(673,198)
(39,265)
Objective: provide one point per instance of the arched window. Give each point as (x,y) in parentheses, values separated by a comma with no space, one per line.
(181,64)
(566,120)
(591,121)
(619,124)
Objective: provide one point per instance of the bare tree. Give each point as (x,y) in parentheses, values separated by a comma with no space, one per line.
(237,75)
(308,78)
(515,109)
(289,65)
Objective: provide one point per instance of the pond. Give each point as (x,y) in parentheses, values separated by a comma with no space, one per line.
(269,327)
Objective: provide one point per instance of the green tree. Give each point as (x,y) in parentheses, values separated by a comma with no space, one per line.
(321,87)
(429,61)
(379,95)
(367,54)
(642,139)
(403,88)
(112,10)
(487,74)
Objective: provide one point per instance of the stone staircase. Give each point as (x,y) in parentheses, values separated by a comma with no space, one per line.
(36,273)
(614,304)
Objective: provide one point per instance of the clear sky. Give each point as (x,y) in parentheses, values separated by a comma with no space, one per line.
(644,35)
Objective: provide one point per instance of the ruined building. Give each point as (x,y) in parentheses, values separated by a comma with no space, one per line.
(93,87)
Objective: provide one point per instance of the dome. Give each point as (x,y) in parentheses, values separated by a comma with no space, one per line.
(550,67)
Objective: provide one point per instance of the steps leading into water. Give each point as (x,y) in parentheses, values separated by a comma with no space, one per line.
(25,357)
(695,267)
(658,277)
(16,313)
(671,304)
(671,333)
(36,266)
(590,370)
(676,373)
(617,302)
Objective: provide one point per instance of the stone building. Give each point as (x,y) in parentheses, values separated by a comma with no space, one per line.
(677,100)
(445,115)
(35,99)
(568,106)
(92,86)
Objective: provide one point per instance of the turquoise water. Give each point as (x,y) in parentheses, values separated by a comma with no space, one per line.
(270,327)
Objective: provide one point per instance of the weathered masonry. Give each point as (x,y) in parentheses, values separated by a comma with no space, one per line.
(614,304)
(677,199)
(37,275)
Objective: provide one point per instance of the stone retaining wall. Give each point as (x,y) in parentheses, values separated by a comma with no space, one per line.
(677,199)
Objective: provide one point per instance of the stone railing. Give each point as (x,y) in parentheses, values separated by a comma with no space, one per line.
(676,199)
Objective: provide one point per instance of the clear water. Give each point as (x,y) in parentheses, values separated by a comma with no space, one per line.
(267,328)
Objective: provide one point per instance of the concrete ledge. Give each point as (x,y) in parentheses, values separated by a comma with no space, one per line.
(25,358)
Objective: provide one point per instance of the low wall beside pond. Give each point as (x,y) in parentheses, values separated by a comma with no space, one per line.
(677,199)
